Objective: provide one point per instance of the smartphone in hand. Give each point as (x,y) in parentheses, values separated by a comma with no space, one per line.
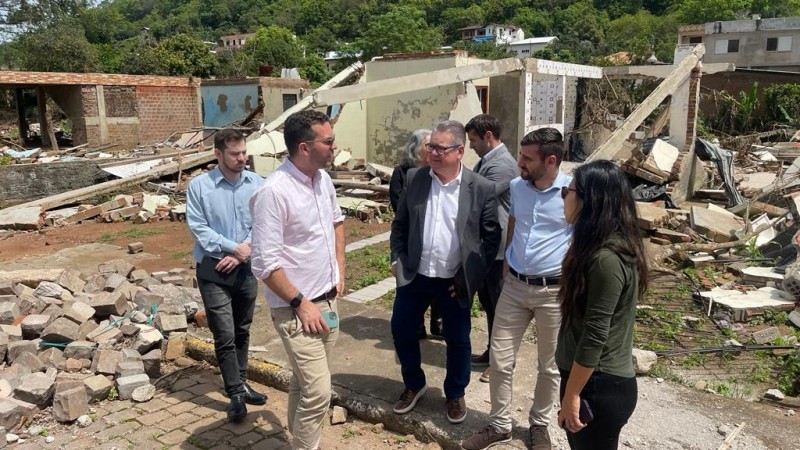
(585,414)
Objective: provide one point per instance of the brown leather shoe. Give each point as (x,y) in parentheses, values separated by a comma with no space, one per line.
(481,360)
(488,437)
(456,410)
(540,438)
(408,400)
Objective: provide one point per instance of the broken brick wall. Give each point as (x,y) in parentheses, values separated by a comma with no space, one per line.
(164,110)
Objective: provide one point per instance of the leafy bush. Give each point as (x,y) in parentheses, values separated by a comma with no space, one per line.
(783,104)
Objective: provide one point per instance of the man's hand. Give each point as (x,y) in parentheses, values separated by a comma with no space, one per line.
(227,264)
(453,291)
(311,318)
(340,286)
(242,252)
(505,268)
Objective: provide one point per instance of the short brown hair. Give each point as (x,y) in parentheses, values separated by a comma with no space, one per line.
(549,140)
(223,138)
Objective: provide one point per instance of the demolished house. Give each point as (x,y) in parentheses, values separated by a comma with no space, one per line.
(698,202)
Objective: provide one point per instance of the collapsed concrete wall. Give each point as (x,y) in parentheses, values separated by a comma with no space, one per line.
(24,182)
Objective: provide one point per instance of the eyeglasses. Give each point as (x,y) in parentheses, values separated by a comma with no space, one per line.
(326,142)
(565,190)
(440,150)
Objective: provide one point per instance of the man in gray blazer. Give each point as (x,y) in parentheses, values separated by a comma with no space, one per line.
(498,166)
(445,236)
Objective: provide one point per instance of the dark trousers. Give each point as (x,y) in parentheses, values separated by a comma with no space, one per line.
(489,293)
(612,399)
(229,310)
(409,309)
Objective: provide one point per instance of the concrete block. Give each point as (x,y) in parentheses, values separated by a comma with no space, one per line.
(97,388)
(126,385)
(152,363)
(766,335)
(113,282)
(53,311)
(129,354)
(8,415)
(61,330)
(79,312)
(139,275)
(176,346)
(147,339)
(108,303)
(122,267)
(149,282)
(9,311)
(794,317)
(30,361)
(14,332)
(70,404)
(173,279)
(169,323)
(650,216)
(744,305)
(103,334)
(23,218)
(714,224)
(29,304)
(5,389)
(70,279)
(95,283)
(52,357)
(135,247)
(86,328)
(17,348)
(105,361)
(159,275)
(3,346)
(144,299)
(23,289)
(73,365)
(36,388)
(33,325)
(48,289)
(7,287)
(128,368)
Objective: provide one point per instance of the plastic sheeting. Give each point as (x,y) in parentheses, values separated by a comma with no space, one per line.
(723,159)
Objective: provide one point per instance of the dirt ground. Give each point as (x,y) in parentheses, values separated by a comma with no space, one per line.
(169,242)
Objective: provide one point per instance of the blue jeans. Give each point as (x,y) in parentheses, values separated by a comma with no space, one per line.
(229,310)
(410,304)
(612,400)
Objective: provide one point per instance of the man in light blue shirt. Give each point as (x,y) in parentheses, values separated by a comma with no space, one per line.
(218,215)
(537,241)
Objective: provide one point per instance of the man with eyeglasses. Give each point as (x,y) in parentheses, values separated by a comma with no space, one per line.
(537,241)
(444,237)
(298,252)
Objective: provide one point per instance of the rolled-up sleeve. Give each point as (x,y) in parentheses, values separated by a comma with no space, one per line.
(208,239)
(268,212)
(335,208)
(605,281)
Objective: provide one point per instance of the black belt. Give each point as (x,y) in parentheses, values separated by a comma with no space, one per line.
(535,281)
(326,296)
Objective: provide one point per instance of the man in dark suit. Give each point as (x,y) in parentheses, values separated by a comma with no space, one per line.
(498,166)
(445,236)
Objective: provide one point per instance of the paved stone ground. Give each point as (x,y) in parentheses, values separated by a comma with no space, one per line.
(377,239)
(191,416)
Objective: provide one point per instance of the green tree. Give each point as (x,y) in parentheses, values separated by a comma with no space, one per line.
(187,55)
(105,25)
(501,11)
(455,18)
(581,21)
(400,30)
(272,46)
(533,22)
(702,11)
(314,70)
(62,47)
(618,8)
(643,34)
(485,50)
(776,8)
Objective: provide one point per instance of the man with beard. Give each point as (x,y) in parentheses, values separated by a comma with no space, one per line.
(298,252)
(219,220)
(537,241)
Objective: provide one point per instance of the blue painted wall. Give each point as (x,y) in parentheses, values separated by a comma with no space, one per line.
(223,105)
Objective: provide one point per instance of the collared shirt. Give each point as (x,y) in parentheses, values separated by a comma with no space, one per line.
(541,235)
(441,246)
(217,212)
(293,218)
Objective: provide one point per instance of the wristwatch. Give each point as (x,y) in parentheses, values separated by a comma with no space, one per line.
(295,302)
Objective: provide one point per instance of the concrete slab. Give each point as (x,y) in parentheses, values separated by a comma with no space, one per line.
(716,225)
(650,216)
(83,258)
(27,218)
(761,275)
(744,305)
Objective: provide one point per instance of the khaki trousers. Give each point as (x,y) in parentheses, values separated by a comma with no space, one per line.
(310,386)
(519,303)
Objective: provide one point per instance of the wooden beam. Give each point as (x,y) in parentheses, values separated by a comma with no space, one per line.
(409,83)
(78,195)
(659,72)
(349,184)
(632,122)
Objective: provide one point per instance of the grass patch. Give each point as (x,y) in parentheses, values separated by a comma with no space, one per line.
(107,238)
(138,232)
(367,266)
(180,255)
(385,301)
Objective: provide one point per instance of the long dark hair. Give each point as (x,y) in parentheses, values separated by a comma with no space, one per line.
(608,211)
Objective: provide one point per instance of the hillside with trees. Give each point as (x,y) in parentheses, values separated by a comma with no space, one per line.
(175,37)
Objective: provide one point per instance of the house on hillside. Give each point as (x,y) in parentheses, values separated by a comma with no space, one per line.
(234,41)
(525,48)
(756,43)
(499,34)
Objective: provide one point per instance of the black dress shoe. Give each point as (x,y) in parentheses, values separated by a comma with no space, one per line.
(421,334)
(237,409)
(252,397)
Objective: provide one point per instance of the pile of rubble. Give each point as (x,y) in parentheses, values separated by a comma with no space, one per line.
(67,340)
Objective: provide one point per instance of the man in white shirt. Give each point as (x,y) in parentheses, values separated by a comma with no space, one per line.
(298,252)
(445,235)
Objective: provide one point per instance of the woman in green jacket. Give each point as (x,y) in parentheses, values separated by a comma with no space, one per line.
(603,276)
